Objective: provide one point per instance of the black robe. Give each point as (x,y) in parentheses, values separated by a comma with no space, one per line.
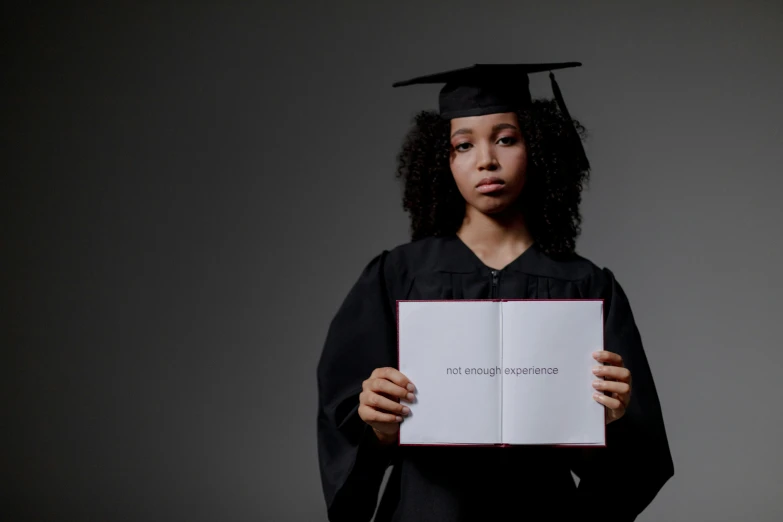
(479,483)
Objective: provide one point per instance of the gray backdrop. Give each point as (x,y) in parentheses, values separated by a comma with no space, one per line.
(189,192)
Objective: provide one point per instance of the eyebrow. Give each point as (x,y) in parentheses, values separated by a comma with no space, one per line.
(495,128)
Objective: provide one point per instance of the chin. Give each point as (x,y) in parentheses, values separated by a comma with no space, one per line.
(492,206)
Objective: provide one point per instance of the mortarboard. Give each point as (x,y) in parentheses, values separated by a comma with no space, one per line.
(492,88)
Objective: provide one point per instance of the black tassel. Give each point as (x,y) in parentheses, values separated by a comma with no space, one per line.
(584,163)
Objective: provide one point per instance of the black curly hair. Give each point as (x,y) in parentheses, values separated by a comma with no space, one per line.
(553,187)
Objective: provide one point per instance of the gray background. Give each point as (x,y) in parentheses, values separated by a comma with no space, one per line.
(188,194)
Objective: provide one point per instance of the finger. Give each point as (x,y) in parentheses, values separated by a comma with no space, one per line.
(608,357)
(389,388)
(612,386)
(613,372)
(379,402)
(369,415)
(395,376)
(609,402)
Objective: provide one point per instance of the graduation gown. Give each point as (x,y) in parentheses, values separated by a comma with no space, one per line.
(479,483)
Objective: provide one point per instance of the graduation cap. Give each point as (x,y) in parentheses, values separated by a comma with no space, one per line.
(493,88)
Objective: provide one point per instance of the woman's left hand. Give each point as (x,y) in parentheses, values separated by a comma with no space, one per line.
(616,381)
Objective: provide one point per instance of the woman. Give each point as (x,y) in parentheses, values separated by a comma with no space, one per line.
(493,184)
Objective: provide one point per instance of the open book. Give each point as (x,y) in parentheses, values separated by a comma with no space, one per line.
(501,372)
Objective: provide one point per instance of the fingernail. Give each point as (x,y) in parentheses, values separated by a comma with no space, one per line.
(411,397)
(596,384)
(596,370)
(596,396)
(411,387)
(399,419)
(405,410)
(596,354)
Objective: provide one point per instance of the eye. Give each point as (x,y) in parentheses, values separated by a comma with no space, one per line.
(464,144)
(510,140)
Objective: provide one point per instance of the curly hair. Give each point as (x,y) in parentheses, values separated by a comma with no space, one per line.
(553,187)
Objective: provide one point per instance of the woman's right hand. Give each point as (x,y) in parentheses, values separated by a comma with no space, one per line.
(379,404)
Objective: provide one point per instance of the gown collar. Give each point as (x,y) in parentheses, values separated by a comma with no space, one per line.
(459,258)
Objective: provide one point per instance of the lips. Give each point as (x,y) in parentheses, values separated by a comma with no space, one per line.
(488,185)
(490,181)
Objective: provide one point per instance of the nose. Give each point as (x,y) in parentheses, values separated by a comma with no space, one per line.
(487,160)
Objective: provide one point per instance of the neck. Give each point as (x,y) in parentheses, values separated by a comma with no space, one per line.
(495,238)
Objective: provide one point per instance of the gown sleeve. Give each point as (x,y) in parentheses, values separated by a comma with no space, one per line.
(629,472)
(360,338)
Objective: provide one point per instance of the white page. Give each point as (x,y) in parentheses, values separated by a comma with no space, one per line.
(551,408)
(456,408)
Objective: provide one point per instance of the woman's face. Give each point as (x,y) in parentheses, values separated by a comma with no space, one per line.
(488,160)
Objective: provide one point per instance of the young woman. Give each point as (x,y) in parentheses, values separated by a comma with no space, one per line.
(493,183)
